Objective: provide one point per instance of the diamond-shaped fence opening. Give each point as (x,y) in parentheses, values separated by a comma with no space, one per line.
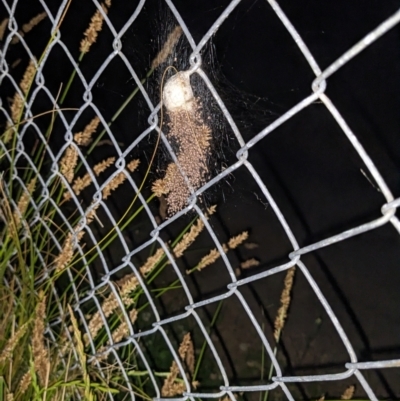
(129,240)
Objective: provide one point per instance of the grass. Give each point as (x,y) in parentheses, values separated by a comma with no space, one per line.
(50,349)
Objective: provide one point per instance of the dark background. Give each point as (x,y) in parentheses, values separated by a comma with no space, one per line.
(308,165)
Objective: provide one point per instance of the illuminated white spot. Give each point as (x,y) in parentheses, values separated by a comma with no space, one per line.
(178,93)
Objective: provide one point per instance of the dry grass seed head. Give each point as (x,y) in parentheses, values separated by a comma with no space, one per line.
(159,188)
(184,346)
(234,242)
(28,76)
(125,287)
(285,303)
(78,341)
(9,347)
(67,252)
(81,183)
(168,47)
(84,138)
(16,62)
(186,352)
(109,305)
(7,302)
(122,331)
(133,165)
(193,233)
(209,259)
(40,354)
(16,107)
(119,179)
(8,133)
(87,394)
(214,254)
(103,166)
(152,261)
(24,201)
(348,393)
(249,263)
(188,238)
(69,162)
(251,245)
(24,382)
(168,389)
(33,22)
(3,27)
(95,26)
(26,28)
(130,282)
(18,102)
(177,389)
(211,210)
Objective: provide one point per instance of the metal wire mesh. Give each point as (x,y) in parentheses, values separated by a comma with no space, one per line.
(233,289)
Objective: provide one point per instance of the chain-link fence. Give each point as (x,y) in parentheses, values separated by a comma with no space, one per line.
(98,291)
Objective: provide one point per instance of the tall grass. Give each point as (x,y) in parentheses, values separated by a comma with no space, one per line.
(49,348)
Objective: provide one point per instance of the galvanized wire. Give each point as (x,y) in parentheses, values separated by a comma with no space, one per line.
(317,92)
